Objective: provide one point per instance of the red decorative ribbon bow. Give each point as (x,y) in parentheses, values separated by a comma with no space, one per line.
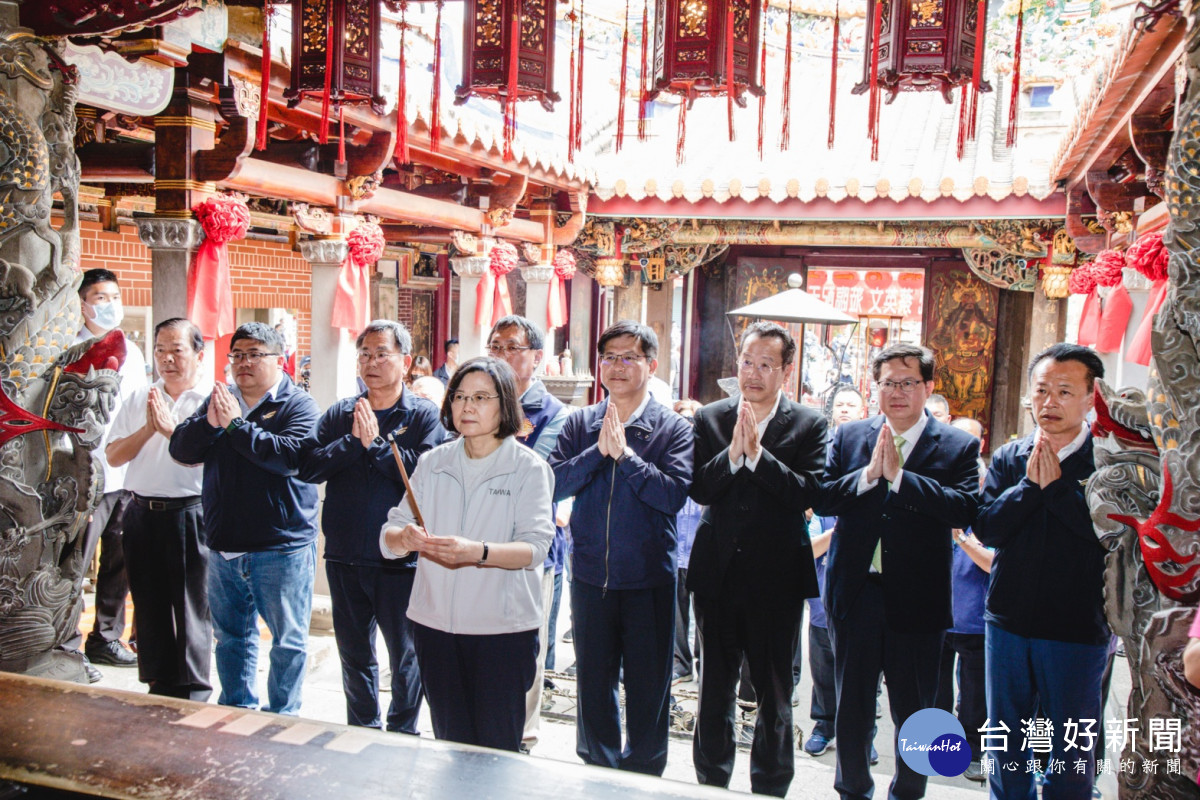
(491,296)
(352,301)
(1083,281)
(1148,256)
(210,293)
(556,307)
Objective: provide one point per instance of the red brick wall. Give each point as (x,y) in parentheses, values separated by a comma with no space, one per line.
(264,274)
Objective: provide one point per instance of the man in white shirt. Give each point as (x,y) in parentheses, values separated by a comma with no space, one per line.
(100,303)
(165,552)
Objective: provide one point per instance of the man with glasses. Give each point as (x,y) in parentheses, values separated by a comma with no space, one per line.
(517,341)
(898,483)
(259,517)
(627,461)
(350,450)
(758,468)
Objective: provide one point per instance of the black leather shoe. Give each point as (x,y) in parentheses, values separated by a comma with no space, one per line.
(93,675)
(114,654)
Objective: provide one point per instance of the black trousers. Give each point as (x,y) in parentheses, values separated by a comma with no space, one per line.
(366,599)
(864,646)
(633,629)
(824,680)
(683,622)
(167,563)
(112,582)
(733,629)
(476,685)
(972,695)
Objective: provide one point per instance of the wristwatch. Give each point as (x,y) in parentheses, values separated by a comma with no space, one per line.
(483,558)
(626,453)
(234,424)
(963,537)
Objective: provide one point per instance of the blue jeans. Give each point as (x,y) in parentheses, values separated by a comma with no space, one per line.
(1059,681)
(276,585)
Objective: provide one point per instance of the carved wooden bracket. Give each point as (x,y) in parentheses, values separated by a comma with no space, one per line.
(1111,195)
(1151,139)
(1090,238)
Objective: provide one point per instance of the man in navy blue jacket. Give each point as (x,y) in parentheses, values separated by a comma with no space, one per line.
(897,483)
(350,451)
(259,517)
(1046,637)
(627,461)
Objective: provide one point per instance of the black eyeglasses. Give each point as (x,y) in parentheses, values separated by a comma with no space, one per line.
(252,357)
(477,399)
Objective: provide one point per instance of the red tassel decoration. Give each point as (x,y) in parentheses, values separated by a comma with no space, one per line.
(681,134)
(873,106)
(1014,100)
(964,125)
(326,100)
(785,135)
(264,90)
(341,134)
(510,99)
(435,105)
(977,67)
(401,152)
(571,120)
(833,68)
(579,87)
(762,78)
(730,84)
(642,89)
(621,90)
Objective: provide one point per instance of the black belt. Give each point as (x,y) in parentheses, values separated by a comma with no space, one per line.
(166,503)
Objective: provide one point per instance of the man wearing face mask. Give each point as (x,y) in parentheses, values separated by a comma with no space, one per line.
(100,303)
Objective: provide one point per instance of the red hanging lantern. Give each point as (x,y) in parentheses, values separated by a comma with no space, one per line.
(508,55)
(923,45)
(335,55)
(706,48)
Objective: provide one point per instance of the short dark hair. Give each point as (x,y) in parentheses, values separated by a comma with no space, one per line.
(533,334)
(940,400)
(94,276)
(1064,351)
(259,332)
(450,343)
(505,381)
(923,355)
(765,330)
(400,335)
(841,388)
(187,326)
(645,335)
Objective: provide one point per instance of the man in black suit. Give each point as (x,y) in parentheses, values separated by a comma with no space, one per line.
(758,464)
(897,483)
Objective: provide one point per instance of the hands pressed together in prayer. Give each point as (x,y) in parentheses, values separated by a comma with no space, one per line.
(744,441)
(222,407)
(158,416)
(885,458)
(365,427)
(1043,467)
(612,434)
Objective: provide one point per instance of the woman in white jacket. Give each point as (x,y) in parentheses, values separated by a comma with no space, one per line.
(476,599)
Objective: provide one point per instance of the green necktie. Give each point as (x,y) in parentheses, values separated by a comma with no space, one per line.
(877,558)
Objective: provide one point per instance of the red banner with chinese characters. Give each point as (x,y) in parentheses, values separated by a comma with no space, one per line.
(871,293)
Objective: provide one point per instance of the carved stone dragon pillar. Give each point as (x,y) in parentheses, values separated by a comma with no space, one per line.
(55,396)
(1145,496)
